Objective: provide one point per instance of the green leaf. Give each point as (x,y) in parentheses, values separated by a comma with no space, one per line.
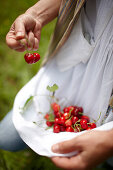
(27,102)
(51,117)
(35,123)
(52,88)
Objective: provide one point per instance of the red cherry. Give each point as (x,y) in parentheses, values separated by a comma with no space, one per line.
(89,128)
(85,117)
(56,121)
(62,120)
(80,109)
(69,129)
(58,114)
(55,107)
(77,129)
(29,58)
(84,124)
(93,125)
(56,128)
(49,123)
(72,109)
(66,110)
(74,119)
(46,116)
(68,122)
(76,112)
(66,115)
(62,128)
(36,57)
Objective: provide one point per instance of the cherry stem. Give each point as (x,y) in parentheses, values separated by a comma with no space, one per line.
(80,113)
(70,111)
(26,45)
(70,118)
(96,120)
(51,120)
(23,45)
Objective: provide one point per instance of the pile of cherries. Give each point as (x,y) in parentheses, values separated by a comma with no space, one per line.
(71,119)
(31,58)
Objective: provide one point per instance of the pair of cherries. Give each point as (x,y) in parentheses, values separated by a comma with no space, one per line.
(71,119)
(31,58)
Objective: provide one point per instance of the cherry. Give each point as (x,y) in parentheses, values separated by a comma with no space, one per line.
(58,114)
(84,124)
(31,58)
(85,117)
(89,128)
(66,115)
(36,57)
(80,109)
(71,108)
(93,125)
(66,110)
(74,119)
(56,121)
(68,122)
(69,129)
(62,128)
(76,112)
(62,120)
(49,123)
(56,128)
(77,129)
(55,107)
(46,116)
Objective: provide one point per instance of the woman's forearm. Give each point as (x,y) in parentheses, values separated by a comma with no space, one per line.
(45,10)
(110,140)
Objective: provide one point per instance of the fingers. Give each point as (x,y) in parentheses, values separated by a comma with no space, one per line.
(24,27)
(19,29)
(67,146)
(11,40)
(37,30)
(12,43)
(33,42)
(69,163)
(36,45)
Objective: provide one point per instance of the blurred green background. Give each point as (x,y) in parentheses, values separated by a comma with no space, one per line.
(15,73)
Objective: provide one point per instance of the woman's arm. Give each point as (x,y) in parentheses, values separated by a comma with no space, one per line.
(28,25)
(93,148)
(45,10)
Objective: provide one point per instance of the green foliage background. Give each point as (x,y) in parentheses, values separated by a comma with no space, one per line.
(15,73)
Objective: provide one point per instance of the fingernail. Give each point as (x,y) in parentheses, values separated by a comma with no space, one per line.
(55,148)
(19,34)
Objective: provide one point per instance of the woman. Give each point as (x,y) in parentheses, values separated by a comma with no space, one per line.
(87,75)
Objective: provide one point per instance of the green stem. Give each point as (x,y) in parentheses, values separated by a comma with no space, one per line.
(95,120)
(23,45)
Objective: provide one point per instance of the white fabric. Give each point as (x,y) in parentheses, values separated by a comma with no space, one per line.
(74,54)
(87,84)
(80,44)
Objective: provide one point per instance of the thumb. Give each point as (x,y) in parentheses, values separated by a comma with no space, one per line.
(66,146)
(19,29)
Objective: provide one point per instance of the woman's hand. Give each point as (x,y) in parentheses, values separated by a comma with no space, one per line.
(27,29)
(93,148)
